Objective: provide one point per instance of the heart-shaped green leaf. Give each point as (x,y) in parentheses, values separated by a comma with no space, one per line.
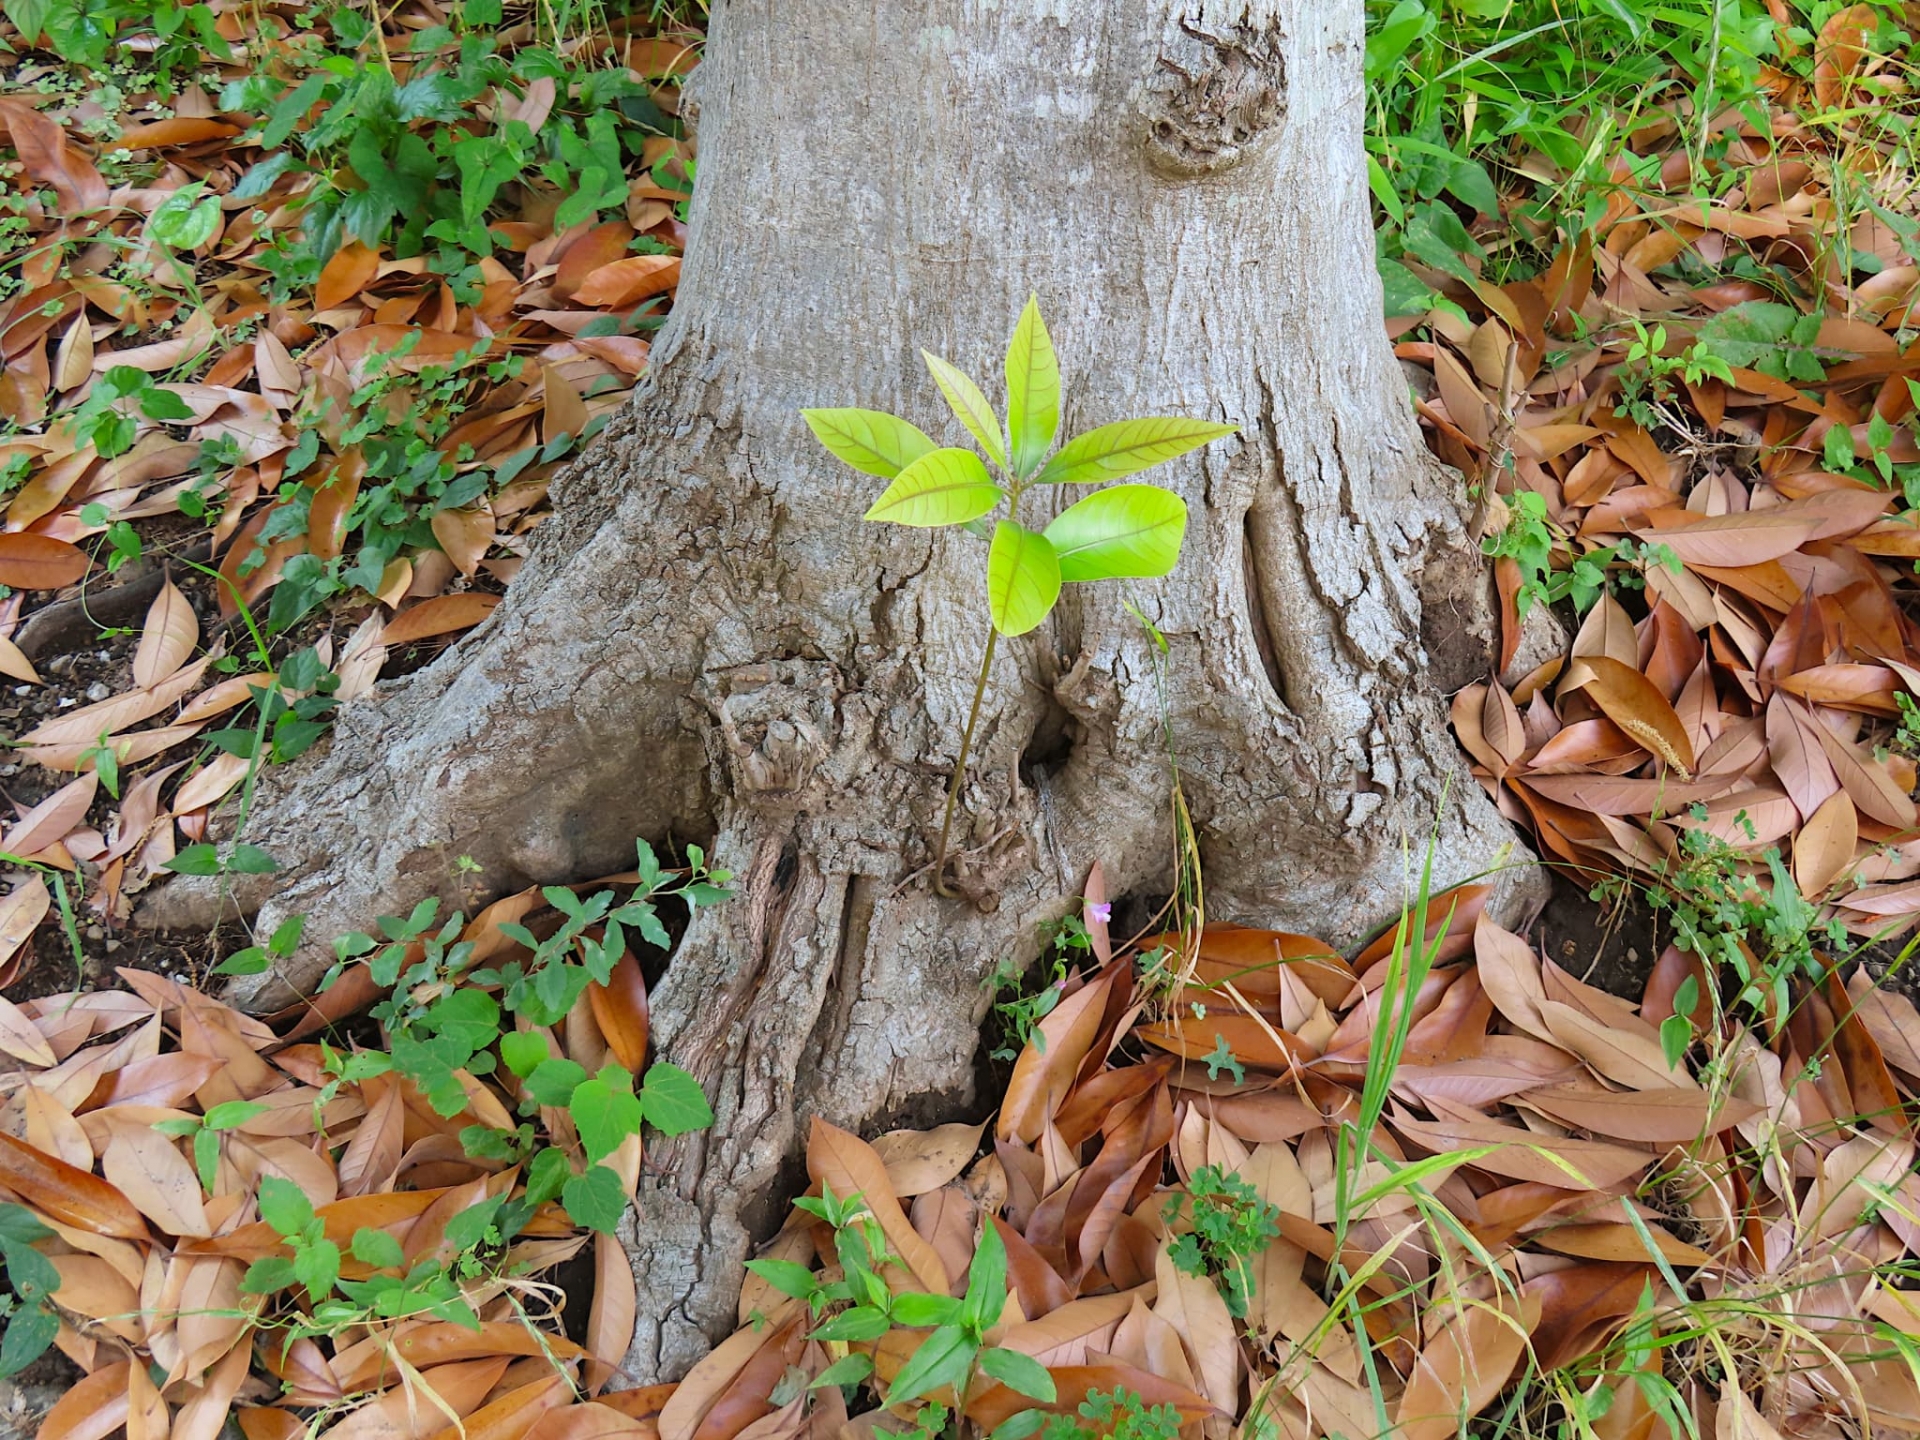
(869,440)
(1127,446)
(1023,579)
(969,406)
(1033,390)
(943,487)
(1127,531)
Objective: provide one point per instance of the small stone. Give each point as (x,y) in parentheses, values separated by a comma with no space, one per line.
(112,945)
(9,769)
(98,690)
(94,932)
(23,689)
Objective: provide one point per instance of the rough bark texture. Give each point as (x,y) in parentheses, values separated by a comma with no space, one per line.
(708,643)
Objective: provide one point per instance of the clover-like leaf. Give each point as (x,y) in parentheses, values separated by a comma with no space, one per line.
(1033,390)
(1126,531)
(869,440)
(944,487)
(1126,447)
(1023,578)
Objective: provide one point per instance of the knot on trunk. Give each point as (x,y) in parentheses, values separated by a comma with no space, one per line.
(1215,90)
(777,722)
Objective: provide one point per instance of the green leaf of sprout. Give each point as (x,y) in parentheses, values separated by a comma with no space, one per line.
(1023,578)
(1033,390)
(944,487)
(1126,447)
(869,440)
(969,406)
(1126,531)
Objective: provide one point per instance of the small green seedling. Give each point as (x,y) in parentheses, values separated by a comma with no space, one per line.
(1121,532)
(1231,1225)
(28,1321)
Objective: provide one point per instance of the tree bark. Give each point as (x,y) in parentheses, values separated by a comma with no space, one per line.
(707,642)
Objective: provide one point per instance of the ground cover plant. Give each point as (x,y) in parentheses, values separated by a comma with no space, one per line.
(339,299)
(1693,424)
(300,311)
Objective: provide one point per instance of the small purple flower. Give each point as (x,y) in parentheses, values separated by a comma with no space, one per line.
(1099,912)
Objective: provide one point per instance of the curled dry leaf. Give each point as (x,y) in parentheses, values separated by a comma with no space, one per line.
(69,1195)
(920,1161)
(442,615)
(1464,1366)
(1633,703)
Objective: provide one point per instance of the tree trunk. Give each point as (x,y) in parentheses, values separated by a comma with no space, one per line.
(708,643)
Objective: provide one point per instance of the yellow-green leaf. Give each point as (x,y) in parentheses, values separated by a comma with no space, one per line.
(1126,447)
(969,406)
(1033,390)
(869,440)
(1023,578)
(1131,531)
(943,487)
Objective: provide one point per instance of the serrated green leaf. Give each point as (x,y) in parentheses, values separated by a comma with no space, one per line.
(1023,578)
(673,1101)
(595,1199)
(545,1177)
(284,1205)
(970,406)
(377,1248)
(1127,446)
(869,440)
(1128,531)
(554,1081)
(605,1115)
(266,1275)
(1019,1372)
(523,1051)
(945,487)
(317,1266)
(469,1018)
(1033,390)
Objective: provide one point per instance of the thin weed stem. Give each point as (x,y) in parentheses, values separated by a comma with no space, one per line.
(960,769)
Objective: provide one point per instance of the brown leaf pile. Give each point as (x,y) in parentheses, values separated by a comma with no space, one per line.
(1752,691)
(260,365)
(1594,1177)
(150,1301)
